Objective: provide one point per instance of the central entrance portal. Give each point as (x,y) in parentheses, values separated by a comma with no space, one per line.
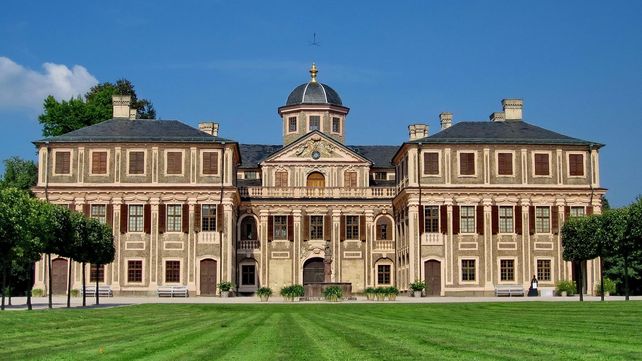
(432,271)
(313,270)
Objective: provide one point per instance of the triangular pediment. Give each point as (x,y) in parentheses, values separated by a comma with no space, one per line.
(315,147)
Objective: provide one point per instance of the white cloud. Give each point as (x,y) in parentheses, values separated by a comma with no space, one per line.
(21,87)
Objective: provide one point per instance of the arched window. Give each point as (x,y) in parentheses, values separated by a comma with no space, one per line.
(248,229)
(315,179)
(384,229)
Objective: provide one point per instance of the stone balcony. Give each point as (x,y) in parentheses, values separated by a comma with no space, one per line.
(249,245)
(384,245)
(317,192)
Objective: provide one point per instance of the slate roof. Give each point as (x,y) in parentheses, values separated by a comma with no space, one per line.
(139,130)
(379,155)
(506,132)
(313,93)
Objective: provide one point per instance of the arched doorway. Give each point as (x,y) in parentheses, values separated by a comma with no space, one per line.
(208,277)
(313,270)
(315,179)
(59,276)
(432,272)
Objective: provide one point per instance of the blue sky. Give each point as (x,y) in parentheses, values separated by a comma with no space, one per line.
(576,64)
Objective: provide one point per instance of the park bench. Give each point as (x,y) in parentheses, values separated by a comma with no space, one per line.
(103,291)
(172,291)
(509,290)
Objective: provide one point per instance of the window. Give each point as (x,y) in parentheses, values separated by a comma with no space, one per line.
(505,163)
(383,274)
(431,219)
(542,219)
(352,227)
(292,124)
(99,212)
(63,162)
(134,271)
(210,163)
(541,164)
(507,270)
(467,219)
(174,217)
(380,176)
(544,270)
(505,219)
(350,179)
(99,163)
(248,228)
(431,163)
(336,125)
(280,227)
(248,274)
(136,162)
(172,271)
(468,270)
(576,211)
(281,179)
(576,165)
(251,175)
(174,163)
(466,163)
(93,276)
(315,123)
(316,227)
(208,217)
(382,231)
(135,218)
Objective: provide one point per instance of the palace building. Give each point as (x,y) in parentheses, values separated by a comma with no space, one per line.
(467,209)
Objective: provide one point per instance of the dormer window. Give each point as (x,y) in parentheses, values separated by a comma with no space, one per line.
(315,123)
(336,125)
(292,124)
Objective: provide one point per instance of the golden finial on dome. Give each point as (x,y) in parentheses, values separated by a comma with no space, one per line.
(313,73)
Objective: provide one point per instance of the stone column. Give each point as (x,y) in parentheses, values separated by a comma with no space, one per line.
(336,243)
(154,238)
(488,242)
(367,255)
(296,214)
(414,239)
(263,236)
(118,242)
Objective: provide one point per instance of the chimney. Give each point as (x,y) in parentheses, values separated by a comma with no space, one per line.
(209,128)
(497,117)
(513,108)
(133,113)
(121,105)
(446,120)
(418,131)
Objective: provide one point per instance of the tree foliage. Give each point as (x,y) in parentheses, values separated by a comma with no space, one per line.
(19,173)
(96,106)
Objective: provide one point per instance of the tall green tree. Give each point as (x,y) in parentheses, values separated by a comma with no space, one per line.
(96,106)
(609,233)
(19,173)
(28,249)
(631,243)
(578,242)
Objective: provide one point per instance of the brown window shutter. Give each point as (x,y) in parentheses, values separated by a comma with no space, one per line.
(123,218)
(362,228)
(185,218)
(343,228)
(147,218)
(306,227)
(197,218)
(480,219)
(327,227)
(555,221)
(72,206)
(455,219)
(162,218)
(567,212)
(86,209)
(422,220)
(495,219)
(518,219)
(531,219)
(220,218)
(589,210)
(291,228)
(270,228)
(110,215)
(444,219)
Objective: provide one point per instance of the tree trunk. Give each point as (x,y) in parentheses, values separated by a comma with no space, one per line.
(8,288)
(49,280)
(580,282)
(84,289)
(69,284)
(626,277)
(4,284)
(601,279)
(29,286)
(97,293)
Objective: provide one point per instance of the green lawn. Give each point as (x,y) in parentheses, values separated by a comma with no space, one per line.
(529,330)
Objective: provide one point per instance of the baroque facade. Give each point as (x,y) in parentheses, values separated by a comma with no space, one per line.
(472,207)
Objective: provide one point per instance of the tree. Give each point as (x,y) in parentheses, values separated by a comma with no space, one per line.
(578,242)
(104,250)
(611,231)
(631,243)
(19,173)
(96,106)
(28,249)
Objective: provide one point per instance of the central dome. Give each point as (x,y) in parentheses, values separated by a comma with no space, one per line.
(313,92)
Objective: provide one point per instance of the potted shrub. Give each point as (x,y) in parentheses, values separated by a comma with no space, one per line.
(292,293)
(264,293)
(225,288)
(417,288)
(565,288)
(298,291)
(392,292)
(370,293)
(609,287)
(380,293)
(332,293)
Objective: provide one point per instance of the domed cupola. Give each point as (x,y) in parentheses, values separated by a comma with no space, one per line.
(313,106)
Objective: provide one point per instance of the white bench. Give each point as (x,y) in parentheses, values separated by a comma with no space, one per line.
(172,291)
(509,290)
(103,291)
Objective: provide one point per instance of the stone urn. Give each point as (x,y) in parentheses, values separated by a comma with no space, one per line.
(416,294)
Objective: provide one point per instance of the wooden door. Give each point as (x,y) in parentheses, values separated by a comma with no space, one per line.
(314,271)
(208,277)
(59,276)
(316,179)
(432,270)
